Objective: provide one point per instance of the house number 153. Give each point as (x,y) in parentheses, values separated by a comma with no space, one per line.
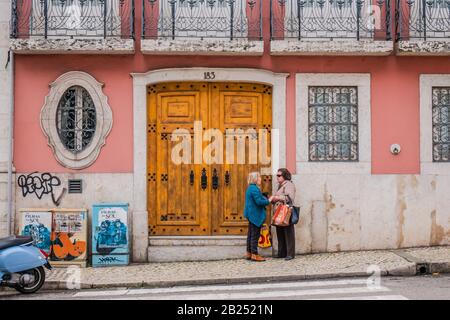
(209,75)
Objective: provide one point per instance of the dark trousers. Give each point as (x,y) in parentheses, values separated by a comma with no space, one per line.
(286,241)
(252,238)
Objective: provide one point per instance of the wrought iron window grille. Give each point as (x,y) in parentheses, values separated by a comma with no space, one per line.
(333,124)
(76,119)
(441,124)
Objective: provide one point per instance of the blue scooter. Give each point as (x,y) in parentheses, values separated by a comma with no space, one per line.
(21,264)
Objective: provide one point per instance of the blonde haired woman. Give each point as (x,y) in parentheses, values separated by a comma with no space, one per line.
(255,213)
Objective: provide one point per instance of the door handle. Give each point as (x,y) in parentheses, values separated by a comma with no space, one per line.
(204,179)
(227,178)
(215,180)
(191,178)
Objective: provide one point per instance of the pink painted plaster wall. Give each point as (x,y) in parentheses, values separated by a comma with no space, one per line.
(394,100)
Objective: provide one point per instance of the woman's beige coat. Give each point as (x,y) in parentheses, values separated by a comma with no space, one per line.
(286,189)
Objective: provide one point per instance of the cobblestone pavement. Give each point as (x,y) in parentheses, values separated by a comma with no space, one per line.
(312,266)
(431,254)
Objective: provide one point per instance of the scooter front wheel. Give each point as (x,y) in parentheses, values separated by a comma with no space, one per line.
(39,279)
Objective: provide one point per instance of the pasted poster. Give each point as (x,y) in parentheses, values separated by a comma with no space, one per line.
(110,234)
(112,231)
(69,236)
(38,225)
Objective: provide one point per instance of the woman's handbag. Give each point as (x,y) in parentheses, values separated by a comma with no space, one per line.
(282,216)
(295,215)
(264,238)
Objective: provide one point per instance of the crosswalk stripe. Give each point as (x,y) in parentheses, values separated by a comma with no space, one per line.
(86,294)
(385,297)
(283,285)
(263,295)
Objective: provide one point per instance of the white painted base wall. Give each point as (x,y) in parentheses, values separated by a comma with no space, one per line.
(4,205)
(358,212)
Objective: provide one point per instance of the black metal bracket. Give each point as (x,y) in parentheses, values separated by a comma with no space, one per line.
(227,178)
(215,180)
(204,179)
(191,178)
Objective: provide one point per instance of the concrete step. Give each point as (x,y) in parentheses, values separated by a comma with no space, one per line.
(198,248)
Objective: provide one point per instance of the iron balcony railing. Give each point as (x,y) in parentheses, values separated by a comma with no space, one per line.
(72,18)
(423,19)
(330,19)
(202,19)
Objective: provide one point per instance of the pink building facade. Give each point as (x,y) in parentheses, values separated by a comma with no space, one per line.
(376,176)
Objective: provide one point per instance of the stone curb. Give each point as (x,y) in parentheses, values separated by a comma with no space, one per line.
(61,285)
(422,266)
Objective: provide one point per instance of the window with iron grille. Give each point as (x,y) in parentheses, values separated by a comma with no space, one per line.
(441,124)
(76,119)
(333,123)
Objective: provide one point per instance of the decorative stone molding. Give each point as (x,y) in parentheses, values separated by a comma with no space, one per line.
(104,119)
(73,46)
(336,47)
(206,47)
(362,82)
(424,48)
(427,82)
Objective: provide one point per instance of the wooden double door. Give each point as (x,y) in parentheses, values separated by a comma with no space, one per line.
(203,193)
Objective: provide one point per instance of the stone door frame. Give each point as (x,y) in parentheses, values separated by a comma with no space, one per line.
(142,80)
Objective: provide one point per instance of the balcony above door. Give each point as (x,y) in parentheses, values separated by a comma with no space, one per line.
(209,27)
(331,27)
(423,27)
(72,26)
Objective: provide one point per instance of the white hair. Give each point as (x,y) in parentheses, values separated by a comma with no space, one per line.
(253,177)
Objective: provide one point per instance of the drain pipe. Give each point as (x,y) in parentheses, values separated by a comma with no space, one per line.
(11,144)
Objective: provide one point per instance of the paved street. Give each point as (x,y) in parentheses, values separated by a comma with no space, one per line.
(390,288)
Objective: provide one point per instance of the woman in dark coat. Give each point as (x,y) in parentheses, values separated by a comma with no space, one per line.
(285,194)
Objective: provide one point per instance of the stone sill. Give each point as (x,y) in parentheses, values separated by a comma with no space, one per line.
(423,48)
(205,47)
(349,47)
(72,46)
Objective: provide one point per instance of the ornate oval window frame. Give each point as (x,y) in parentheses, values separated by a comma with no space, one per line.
(103,126)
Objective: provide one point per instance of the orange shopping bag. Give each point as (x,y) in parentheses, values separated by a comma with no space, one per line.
(282,216)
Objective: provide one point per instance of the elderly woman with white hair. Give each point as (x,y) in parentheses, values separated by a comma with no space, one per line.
(255,213)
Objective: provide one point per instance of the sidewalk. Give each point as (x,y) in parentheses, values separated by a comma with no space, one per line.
(406,262)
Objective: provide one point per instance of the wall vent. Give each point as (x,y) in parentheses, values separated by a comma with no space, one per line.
(75,186)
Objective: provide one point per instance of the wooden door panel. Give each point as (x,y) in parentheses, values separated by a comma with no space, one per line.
(180,201)
(177,202)
(241,108)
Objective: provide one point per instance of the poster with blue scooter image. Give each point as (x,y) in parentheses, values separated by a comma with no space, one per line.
(38,225)
(110,236)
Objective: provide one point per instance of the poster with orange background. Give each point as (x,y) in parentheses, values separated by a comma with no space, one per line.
(69,237)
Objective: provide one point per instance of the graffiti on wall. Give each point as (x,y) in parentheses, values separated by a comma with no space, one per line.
(67,249)
(40,185)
